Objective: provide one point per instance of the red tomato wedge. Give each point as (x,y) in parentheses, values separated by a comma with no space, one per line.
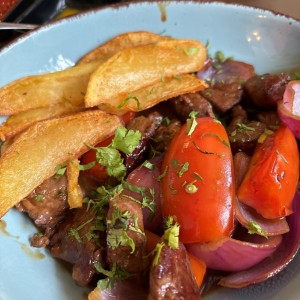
(198,186)
(271,180)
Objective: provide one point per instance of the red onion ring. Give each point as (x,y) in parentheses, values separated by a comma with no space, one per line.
(275,263)
(289,107)
(245,214)
(233,255)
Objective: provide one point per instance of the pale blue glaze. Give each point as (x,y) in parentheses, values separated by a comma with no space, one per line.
(270,42)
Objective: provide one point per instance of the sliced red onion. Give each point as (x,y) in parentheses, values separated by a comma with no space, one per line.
(275,263)
(146,177)
(245,215)
(233,255)
(289,107)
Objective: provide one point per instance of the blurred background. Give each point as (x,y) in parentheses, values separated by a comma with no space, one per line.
(40,11)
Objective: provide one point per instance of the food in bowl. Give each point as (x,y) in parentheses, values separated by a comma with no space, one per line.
(145,187)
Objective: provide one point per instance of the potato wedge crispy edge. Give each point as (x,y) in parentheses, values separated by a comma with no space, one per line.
(46,89)
(120,42)
(151,95)
(36,153)
(134,68)
(17,123)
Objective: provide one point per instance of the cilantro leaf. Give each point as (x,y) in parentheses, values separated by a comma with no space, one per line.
(126,140)
(191,123)
(112,160)
(255,228)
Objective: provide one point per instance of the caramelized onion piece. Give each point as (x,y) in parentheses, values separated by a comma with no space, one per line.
(279,260)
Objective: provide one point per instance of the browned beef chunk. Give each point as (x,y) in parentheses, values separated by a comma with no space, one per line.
(243,134)
(223,96)
(147,125)
(232,71)
(270,118)
(226,83)
(183,105)
(126,240)
(164,135)
(172,277)
(80,241)
(265,90)
(227,72)
(47,204)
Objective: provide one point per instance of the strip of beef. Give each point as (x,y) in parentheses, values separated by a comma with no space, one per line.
(172,277)
(126,239)
(147,125)
(265,90)
(183,105)
(47,204)
(226,83)
(244,134)
(80,240)
(164,135)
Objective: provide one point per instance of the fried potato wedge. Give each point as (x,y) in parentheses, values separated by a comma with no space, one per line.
(21,121)
(74,192)
(151,95)
(134,68)
(120,42)
(35,154)
(46,89)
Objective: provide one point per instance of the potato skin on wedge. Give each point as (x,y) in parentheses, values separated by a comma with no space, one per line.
(47,89)
(121,42)
(35,154)
(138,67)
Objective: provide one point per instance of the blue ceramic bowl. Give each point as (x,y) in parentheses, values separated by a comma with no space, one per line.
(268,41)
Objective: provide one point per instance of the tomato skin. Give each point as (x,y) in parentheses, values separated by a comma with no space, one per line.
(271,180)
(207,214)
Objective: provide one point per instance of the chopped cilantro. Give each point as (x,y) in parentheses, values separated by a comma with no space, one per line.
(126,140)
(60,170)
(39,197)
(116,274)
(163,174)
(255,228)
(184,168)
(87,166)
(191,51)
(282,157)
(118,237)
(129,97)
(191,122)
(147,164)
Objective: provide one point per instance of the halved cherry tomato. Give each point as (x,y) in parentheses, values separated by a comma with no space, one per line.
(198,266)
(198,186)
(98,171)
(271,180)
